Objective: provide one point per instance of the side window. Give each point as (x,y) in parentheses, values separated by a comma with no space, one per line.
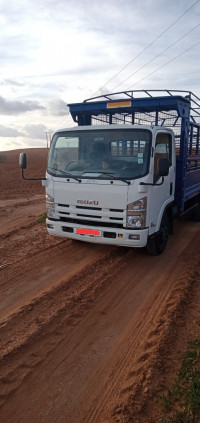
(163,148)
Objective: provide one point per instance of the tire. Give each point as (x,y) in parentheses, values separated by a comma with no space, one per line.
(196,214)
(156,245)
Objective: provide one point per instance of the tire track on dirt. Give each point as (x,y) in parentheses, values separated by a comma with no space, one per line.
(65,303)
(132,366)
(89,359)
(38,272)
(21,212)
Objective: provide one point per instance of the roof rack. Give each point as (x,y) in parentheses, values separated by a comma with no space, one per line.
(132,94)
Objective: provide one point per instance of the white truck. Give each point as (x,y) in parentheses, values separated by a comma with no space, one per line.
(129,166)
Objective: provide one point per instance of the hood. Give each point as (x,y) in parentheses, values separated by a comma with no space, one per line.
(92,193)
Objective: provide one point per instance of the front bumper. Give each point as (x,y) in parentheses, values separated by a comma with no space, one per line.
(109,236)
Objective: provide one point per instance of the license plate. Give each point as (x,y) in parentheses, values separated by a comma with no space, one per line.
(82,231)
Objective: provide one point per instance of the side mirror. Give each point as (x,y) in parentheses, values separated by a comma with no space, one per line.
(22,160)
(23,164)
(163,166)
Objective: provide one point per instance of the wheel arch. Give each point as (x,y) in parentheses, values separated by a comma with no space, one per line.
(168,209)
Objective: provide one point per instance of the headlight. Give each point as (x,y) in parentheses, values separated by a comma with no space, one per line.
(136,214)
(50,205)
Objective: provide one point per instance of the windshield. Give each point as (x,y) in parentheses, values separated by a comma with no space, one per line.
(103,153)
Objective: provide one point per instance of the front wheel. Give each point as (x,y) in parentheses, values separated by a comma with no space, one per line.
(196,213)
(156,245)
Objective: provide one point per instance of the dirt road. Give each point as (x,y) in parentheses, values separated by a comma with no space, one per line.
(85,329)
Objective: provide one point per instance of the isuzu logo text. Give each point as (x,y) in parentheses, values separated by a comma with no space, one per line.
(90,202)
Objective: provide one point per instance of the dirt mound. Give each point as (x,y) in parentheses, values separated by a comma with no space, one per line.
(12,184)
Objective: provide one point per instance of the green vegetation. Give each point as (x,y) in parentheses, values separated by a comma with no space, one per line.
(182,403)
(42,218)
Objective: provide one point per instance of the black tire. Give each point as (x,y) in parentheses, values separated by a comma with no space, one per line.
(196,214)
(156,245)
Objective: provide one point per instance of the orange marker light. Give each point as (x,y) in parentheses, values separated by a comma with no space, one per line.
(118,104)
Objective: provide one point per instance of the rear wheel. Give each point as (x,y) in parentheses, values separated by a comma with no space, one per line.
(156,245)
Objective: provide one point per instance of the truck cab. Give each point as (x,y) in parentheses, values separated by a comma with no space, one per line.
(128,166)
(110,184)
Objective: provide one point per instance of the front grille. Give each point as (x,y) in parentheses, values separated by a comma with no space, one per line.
(91,223)
(117,210)
(92,216)
(85,215)
(86,208)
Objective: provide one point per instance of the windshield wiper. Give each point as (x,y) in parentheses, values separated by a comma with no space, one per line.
(115,177)
(65,173)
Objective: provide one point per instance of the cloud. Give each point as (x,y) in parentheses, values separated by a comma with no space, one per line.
(58,107)
(36,131)
(10,107)
(55,53)
(11,82)
(9,132)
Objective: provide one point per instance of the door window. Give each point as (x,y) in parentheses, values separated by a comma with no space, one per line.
(163,148)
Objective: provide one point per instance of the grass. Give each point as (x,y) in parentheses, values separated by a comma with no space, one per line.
(42,218)
(182,403)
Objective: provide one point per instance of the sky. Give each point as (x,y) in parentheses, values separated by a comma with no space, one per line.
(53,53)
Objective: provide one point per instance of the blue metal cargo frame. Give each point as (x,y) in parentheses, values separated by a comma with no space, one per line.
(175,109)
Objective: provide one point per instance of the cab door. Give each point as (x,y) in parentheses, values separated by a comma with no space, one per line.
(163,188)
